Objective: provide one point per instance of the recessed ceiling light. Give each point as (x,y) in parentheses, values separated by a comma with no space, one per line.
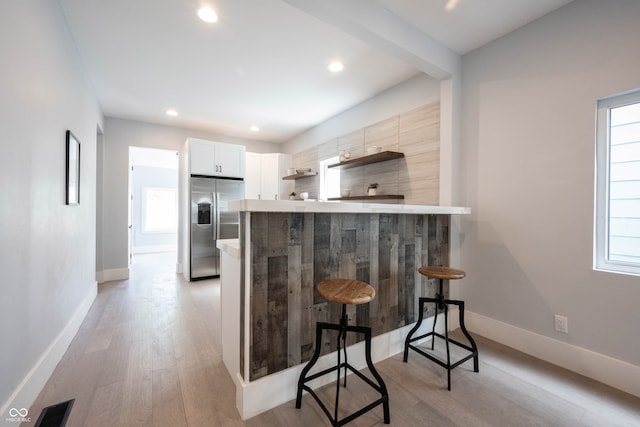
(172,112)
(254,128)
(451,4)
(336,67)
(207,14)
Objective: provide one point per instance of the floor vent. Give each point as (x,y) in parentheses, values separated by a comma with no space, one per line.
(55,415)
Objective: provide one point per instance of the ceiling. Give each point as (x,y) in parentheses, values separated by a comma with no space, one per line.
(264,63)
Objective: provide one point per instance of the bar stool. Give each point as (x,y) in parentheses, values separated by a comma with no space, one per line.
(344,291)
(442,273)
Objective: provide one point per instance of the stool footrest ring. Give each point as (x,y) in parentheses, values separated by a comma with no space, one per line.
(451,340)
(439,361)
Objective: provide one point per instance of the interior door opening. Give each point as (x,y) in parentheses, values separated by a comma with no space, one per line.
(153,203)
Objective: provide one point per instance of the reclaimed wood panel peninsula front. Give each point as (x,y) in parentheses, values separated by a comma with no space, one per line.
(287,247)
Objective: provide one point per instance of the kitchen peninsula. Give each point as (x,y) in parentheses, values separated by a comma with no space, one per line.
(270,307)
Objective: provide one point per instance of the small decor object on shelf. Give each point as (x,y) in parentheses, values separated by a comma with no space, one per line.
(345,193)
(304,195)
(292,196)
(344,155)
(373,189)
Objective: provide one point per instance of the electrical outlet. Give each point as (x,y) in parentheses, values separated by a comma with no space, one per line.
(562,323)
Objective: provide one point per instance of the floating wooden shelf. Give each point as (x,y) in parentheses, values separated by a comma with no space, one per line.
(376,197)
(300,175)
(365,160)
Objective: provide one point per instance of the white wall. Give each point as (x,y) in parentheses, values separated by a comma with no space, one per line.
(528,174)
(47,249)
(413,93)
(119,135)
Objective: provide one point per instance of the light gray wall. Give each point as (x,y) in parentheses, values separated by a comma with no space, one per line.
(528,174)
(119,135)
(47,249)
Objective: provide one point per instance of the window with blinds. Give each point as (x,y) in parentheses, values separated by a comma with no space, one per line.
(618,184)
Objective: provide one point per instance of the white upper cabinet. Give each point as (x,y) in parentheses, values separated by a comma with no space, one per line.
(270,178)
(253,178)
(216,158)
(201,157)
(230,160)
(264,176)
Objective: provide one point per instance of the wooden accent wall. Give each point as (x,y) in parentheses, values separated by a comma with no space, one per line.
(291,252)
(415,133)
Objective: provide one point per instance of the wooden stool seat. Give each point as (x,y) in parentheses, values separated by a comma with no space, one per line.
(440,272)
(346,291)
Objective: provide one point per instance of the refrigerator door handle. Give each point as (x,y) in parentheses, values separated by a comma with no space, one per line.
(217,228)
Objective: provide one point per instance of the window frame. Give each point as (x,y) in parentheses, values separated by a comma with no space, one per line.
(601,260)
(323,194)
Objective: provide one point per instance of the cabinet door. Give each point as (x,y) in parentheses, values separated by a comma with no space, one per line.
(230,160)
(253,179)
(201,157)
(270,177)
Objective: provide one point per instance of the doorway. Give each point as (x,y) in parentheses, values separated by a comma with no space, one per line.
(153,203)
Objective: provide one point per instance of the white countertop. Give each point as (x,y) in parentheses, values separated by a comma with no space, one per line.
(250,205)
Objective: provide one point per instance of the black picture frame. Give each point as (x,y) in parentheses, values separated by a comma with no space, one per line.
(73,170)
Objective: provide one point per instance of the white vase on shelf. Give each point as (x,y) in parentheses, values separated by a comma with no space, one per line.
(371,191)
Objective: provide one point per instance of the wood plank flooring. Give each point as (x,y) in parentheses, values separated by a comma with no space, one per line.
(149,354)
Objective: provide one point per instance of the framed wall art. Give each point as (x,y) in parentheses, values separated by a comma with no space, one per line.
(73,170)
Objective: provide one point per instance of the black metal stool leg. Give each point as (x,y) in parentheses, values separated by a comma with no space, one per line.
(309,365)
(335,410)
(446,343)
(344,322)
(435,318)
(474,346)
(374,372)
(439,306)
(342,345)
(413,330)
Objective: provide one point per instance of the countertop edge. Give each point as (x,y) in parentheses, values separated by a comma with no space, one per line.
(229,246)
(251,205)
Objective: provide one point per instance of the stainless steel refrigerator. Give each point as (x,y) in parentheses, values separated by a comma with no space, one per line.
(210,221)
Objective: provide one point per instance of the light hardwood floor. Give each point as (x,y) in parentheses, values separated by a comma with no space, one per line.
(149,354)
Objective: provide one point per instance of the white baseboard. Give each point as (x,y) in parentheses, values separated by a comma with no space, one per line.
(613,372)
(113,274)
(31,385)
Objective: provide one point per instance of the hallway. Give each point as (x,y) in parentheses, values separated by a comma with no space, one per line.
(148,353)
